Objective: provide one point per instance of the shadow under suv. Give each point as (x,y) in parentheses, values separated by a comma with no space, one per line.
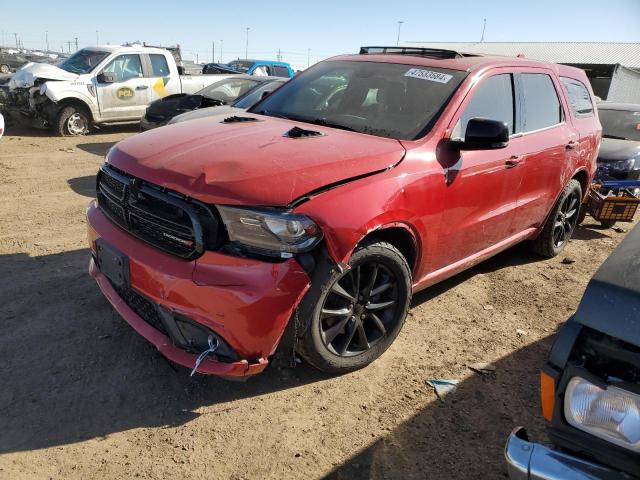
(362,180)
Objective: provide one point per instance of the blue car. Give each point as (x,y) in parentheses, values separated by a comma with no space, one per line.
(265,68)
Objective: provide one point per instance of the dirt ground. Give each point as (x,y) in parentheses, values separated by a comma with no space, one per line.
(83,396)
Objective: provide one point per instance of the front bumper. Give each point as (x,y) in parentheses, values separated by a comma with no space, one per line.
(146,124)
(247,302)
(533,461)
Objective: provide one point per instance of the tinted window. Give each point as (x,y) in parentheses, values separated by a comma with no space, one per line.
(541,105)
(159,67)
(623,124)
(125,67)
(256,94)
(228,90)
(493,99)
(241,66)
(383,99)
(579,98)
(278,71)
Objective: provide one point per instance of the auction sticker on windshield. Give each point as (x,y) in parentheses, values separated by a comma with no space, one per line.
(428,75)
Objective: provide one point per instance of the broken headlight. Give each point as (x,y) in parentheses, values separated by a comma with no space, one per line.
(270,232)
(612,414)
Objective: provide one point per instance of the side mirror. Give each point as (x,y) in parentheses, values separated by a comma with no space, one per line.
(483,134)
(106,77)
(265,94)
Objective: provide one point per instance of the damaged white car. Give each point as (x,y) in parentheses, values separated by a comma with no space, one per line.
(96,85)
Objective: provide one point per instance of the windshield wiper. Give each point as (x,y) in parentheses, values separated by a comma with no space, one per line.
(325,123)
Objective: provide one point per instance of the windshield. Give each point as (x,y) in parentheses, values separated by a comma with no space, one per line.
(383,99)
(241,66)
(228,90)
(251,98)
(623,124)
(83,61)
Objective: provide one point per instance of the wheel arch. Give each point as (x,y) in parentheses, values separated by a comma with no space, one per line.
(75,102)
(400,236)
(583,177)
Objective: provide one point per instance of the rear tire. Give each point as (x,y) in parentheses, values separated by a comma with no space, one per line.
(360,311)
(561,222)
(4,68)
(72,122)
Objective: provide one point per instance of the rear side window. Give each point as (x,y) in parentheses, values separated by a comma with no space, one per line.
(579,98)
(493,99)
(159,66)
(279,71)
(541,105)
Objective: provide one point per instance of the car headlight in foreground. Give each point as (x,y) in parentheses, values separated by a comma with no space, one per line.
(270,232)
(612,414)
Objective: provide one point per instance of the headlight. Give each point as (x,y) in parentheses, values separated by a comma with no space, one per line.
(623,164)
(270,232)
(612,414)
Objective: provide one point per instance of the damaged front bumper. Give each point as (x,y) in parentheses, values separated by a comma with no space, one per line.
(246,304)
(27,106)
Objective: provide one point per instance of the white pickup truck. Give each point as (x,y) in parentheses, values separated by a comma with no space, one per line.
(97,85)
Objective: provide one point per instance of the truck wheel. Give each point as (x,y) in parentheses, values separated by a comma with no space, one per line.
(4,68)
(360,311)
(72,122)
(561,222)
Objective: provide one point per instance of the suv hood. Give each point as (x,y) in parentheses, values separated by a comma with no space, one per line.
(27,75)
(251,163)
(611,302)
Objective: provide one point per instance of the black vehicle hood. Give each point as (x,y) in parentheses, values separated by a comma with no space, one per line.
(168,107)
(611,302)
(613,150)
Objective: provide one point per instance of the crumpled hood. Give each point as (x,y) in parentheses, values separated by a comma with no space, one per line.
(613,150)
(27,75)
(250,163)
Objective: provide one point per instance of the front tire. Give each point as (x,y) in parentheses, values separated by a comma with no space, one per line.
(72,122)
(561,222)
(360,311)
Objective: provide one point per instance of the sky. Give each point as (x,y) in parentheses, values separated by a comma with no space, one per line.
(308,31)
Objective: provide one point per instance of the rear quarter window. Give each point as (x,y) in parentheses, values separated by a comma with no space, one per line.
(579,98)
(159,66)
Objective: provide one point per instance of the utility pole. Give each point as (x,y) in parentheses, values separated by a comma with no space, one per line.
(246,48)
(484,26)
(97,38)
(221,43)
(16,35)
(213,51)
(308,57)
(279,56)
(400,22)
(46,36)
(76,43)
(68,46)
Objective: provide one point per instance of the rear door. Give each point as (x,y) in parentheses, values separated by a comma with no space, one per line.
(162,82)
(481,192)
(549,143)
(127,97)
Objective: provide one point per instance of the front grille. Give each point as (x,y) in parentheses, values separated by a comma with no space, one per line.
(162,218)
(143,307)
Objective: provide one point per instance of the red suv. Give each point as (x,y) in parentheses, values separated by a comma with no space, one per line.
(362,180)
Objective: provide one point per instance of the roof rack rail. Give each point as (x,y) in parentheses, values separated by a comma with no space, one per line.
(416,51)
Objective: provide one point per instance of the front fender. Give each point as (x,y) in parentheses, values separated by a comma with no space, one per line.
(58,92)
(395,198)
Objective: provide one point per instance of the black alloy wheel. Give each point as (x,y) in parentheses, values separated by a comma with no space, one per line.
(566,219)
(360,311)
(360,308)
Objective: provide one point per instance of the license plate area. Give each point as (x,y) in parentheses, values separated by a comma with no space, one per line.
(112,263)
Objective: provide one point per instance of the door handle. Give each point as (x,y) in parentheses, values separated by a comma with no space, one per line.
(142,87)
(513,161)
(570,146)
